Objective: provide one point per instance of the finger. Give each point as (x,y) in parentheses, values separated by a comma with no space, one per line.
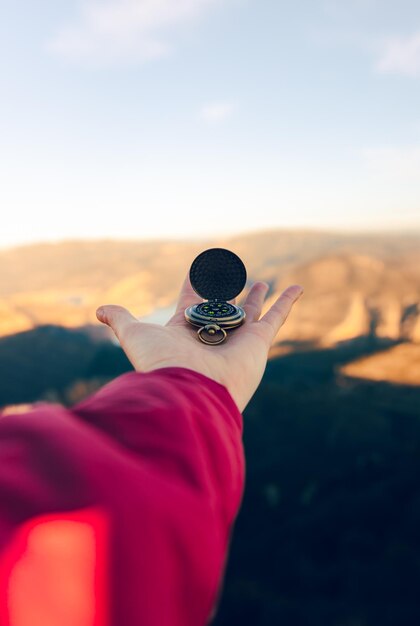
(275,317)
(117,318)
(254,301)
(187,296)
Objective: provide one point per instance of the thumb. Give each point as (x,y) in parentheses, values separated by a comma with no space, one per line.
(116,317)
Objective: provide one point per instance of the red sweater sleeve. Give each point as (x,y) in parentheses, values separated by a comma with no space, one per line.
(122,506)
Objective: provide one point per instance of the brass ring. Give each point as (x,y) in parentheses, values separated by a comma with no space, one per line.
(216,328)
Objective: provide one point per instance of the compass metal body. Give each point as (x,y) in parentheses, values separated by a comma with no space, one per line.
(217,275)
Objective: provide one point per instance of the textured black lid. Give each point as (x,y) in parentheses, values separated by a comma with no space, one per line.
(217,274)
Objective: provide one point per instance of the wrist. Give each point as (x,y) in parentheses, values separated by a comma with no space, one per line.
(182,363)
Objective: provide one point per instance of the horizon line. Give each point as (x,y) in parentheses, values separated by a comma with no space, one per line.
(361,231)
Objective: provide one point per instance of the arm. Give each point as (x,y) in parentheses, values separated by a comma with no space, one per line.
(133,492)
(182,424)
(153,466)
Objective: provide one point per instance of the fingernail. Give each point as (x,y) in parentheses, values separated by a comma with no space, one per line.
(100,313)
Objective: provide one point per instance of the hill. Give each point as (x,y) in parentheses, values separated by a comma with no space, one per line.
(356,285)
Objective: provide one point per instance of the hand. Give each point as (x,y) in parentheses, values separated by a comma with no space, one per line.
(238,363)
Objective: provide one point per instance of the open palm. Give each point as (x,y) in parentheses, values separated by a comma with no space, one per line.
(238,363)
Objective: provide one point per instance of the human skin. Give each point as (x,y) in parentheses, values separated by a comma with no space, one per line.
(238,363)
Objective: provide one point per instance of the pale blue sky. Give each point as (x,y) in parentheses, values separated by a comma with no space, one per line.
(181,118)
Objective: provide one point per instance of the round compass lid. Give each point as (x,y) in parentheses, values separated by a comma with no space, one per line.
(218,274)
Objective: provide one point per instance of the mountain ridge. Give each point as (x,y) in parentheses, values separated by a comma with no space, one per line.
(356,284)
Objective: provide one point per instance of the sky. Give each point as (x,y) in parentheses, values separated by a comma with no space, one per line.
(200,118)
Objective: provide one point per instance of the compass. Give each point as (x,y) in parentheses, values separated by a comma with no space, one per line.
(217,275)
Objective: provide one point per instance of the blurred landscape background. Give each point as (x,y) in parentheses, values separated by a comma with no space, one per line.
(328,532)
(136,134)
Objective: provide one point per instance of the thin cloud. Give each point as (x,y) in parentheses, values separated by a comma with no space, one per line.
(400,56)
(216,112)
(116,32)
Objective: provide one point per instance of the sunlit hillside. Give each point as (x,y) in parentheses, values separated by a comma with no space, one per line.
(356,286)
